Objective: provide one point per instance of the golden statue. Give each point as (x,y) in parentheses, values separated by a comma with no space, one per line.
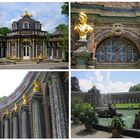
(15,107)
(26,14)
(81,27)
(24,100)
(36,86)
(7,112)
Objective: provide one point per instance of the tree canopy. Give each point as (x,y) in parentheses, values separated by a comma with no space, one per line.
(65,9)
(63,29)
(4,31)
(134,88)
(2,98)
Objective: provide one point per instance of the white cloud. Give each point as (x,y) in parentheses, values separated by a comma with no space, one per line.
(85,85)
(113,87)
(49,14)
(119,86)
(101,87)
(10,80)
(98,76)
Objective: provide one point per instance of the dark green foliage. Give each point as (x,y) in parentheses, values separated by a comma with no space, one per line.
(86,114)
(88,118)
(64,42)
(2,98)
(117,123)
(4,31)
(65,9)
(134,88)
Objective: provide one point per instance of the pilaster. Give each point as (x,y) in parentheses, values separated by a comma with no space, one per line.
(58,108)
(37,115)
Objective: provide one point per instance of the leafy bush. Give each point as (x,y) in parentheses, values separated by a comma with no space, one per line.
(117,123)
(88,116)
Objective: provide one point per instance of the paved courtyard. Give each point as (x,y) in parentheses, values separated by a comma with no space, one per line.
(52,65)
(78,131)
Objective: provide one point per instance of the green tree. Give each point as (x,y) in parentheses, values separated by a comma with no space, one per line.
(2,98)
(4,31)
(63,30)
(134,88)
(65,9)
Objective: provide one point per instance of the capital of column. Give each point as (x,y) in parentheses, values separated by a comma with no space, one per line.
(55,75)
(24,108)
(37,96)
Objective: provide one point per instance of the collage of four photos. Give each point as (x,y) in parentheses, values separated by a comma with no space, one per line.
(70,69)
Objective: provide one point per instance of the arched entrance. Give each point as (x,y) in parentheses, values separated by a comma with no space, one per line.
(116,50)
(26,52)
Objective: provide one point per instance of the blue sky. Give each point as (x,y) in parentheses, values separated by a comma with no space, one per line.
(48,13)
(107,81)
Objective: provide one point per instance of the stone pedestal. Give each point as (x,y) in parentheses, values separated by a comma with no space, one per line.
(82,59)
(37,115)
(82,45)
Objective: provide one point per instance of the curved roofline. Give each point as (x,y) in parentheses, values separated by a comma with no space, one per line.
(18,91)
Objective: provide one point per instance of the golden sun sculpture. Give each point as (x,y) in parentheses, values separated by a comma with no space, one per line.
(26,14)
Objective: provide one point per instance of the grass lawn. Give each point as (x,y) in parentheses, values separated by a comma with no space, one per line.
(127,105)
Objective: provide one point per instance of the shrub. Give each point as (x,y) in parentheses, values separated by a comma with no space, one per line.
(88,116)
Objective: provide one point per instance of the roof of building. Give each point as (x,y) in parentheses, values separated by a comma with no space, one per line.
(27,17)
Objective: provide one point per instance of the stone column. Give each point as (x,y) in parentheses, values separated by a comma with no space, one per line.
(7,45)
(15,50)
(6,128)
(15,126)
(33,47)
(58,107)
(0,129)
(52,52)
(9,48)
(44,49)
(47,114)
(57,53)
(18,48)
(36,110)
(25,123)
(36,48)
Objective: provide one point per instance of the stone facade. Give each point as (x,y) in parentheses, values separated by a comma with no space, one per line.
(27,40)
(37,110)
(75,84)
(2,46)
(98,99)
(53,44)
(116,35)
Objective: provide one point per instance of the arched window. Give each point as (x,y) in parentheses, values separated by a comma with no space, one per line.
(14,26)
(116,50)
(26,25)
